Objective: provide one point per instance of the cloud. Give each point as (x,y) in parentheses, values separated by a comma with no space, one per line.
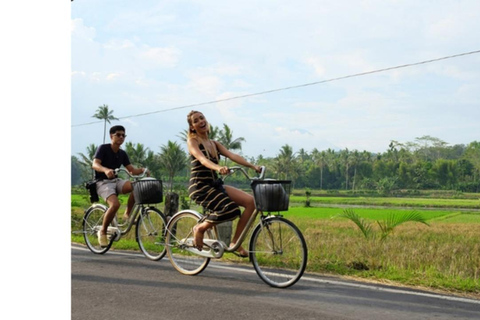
(296,132)
(205,85)
(78,74)
(112,76)
(163,57)
(317,64)
(119,44)
(79,30)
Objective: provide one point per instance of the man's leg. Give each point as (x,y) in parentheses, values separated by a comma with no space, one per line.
(113,205)
(127,188)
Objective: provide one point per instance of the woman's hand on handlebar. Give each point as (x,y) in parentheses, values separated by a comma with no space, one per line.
(258,169)
(224,170)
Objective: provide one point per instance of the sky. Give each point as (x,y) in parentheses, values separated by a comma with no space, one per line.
(152,62)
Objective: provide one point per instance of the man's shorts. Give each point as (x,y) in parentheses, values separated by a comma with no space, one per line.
(105,188)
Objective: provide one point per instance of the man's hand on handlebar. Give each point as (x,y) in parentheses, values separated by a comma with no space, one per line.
(146,172)
(110,173)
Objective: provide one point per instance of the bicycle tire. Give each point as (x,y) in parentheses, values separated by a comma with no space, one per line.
(150,233)
(179,237)
(278,252)
(92,222)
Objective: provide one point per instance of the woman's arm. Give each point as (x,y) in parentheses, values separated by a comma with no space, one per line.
(235,157)
(194,149)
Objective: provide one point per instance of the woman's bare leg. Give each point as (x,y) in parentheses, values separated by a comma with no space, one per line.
(245,200)
(198,232)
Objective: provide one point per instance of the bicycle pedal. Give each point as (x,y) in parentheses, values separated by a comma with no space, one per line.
(187,242)
(113,232)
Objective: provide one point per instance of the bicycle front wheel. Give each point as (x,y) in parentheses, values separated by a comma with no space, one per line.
(92,223)
(150,233)
(179,239)
(278,252)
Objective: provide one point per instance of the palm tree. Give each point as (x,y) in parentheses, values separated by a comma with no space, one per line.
(172,160)
(303,155)
(319,158)
(226,138)
(345,160)
(286,164)
(214,133)
(87,160)
(104,114)
(143,157)
(137,153)
(183,135)
(355,159)
(472,154)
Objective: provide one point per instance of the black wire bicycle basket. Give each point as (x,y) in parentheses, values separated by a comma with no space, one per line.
(148,191)
(271,195)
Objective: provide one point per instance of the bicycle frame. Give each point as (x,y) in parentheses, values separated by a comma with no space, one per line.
(130,223)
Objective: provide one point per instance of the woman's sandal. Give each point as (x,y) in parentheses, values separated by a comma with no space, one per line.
(242,253)
(238,254)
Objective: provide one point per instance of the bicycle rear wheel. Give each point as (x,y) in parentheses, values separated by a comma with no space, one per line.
(278,252)
(150,233)
(179,238)
(92,222)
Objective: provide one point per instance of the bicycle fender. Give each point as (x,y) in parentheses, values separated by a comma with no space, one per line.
(195,213)
(95,206)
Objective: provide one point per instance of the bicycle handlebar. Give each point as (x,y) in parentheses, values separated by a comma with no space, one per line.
(233,169)
(131,175)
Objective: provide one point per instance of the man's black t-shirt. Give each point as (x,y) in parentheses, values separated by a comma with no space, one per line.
(110,159)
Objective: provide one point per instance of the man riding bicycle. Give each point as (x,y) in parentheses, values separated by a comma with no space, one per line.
(109,157)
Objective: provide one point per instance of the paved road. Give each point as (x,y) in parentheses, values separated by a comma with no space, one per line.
(119,285)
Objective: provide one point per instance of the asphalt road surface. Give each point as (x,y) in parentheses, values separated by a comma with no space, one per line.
(124,285)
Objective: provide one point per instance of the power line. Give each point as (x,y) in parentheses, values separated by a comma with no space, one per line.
(291,87)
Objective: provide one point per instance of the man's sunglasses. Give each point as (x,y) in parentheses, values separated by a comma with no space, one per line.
(120,135)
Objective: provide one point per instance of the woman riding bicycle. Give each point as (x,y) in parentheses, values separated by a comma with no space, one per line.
(207,190)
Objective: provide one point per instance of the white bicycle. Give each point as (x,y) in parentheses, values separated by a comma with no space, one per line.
(277,248)
(149,221)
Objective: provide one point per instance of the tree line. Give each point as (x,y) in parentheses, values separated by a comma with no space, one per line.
(426,163)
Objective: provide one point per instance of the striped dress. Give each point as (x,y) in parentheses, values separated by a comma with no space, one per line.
(220,207)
